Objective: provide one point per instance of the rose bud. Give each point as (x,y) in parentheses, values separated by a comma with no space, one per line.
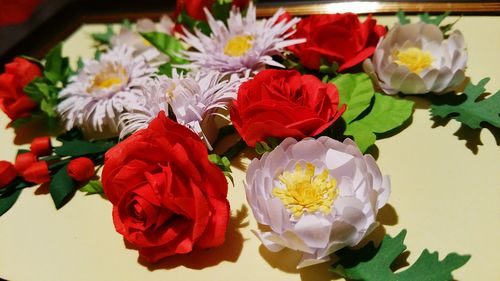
(41,146)
(81,169)
(38,172)
(7,173)
(24,161)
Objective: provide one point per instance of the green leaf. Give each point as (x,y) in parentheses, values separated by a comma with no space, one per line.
(127,24)
(93,187)
(76,148)
(356,91)
(193,24)
(61,187)
(221,8)
(378,267)
(6,202)
(386,114)
(223,163)
(473,111)
(105,37)
(402,18)
(437,20)
(48,108)
(56,66)
(167,44)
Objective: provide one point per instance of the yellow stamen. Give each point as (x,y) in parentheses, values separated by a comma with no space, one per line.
(238,45)
(109,76)
(415,59)
(305,192)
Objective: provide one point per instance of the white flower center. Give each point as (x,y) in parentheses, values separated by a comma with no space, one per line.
(414,58)
(238,45)
(305,192)
(109,76)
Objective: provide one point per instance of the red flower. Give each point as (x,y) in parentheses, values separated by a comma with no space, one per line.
(81,169)
(41,146)
(7,173)
(16,11)
(24,161)
(340,38)
(38,173)
(283,103)
(13,101)
(194,8)
(167,197)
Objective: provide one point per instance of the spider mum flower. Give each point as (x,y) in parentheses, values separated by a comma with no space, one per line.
(316,196)
(245,44)
(95,98)
(416,59)
(194,99)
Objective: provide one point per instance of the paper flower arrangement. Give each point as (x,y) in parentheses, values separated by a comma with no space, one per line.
(147,112)
(416,59)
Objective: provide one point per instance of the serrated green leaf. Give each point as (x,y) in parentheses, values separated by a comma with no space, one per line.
(402,18)
(386,114)
(356,91)
(377,267)
(56,66)
(6,202)
(105,37)
(48,108)
(76,148)
(437,20)
(473,112)
(167,44)
(61,187)
(93,187)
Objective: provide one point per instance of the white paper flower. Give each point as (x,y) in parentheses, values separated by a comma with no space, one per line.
(317,196)
(194,99)
(245,44)
(95,97)
(416,59)
(142,47)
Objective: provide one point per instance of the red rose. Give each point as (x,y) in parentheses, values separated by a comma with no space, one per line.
(16,11)
(81,169)
(194,8)
(340,38)
(167,197)
(41,146)
(13,101)
(283,103)
(7,173)
(38,173)
(24,161)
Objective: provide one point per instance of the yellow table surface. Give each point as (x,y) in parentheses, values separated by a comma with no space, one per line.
(446,196)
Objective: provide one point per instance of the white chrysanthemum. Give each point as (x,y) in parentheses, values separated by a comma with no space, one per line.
(142,47)
(317,196)
(245,44)
(416,59)
(95,97)
(193,99)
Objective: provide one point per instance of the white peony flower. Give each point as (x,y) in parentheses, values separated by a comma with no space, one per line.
(142,47)
(95,97)
(317,196)
(245,44)
(416,59)
(194,99)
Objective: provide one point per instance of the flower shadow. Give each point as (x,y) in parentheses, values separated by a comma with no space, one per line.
(202,258)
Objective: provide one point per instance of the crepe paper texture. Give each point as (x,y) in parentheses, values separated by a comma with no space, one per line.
(474,110)
(369,113)
(428,267)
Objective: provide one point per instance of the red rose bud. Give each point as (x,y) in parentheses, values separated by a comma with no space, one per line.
(38,173)
(41,146)
(7,173)
(81,169)
(13,100)
(24,161)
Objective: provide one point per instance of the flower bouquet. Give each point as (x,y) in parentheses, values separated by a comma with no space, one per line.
(159,119)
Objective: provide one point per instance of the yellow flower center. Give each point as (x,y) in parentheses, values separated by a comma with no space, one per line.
(305,192)
(415,59)
(109,76)
(238,45)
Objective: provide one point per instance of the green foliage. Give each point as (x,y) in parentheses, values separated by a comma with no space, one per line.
(9,196)
(266,146)
(105,37)
(224,164)
(474,110)
(402,18)
(436,20)
(61,187)
(93,187)
(57,68)
(193,24)
(369,113)
(77,148)
(221,9)
(377,267)
(427,18)
(170,46)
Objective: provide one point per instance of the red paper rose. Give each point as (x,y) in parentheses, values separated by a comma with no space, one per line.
(13,101)
(16,11)
(340,38)
(284,103)
(24,161)
(167,197)
(41,146)
(7,173)
(194,8)
(81,169)
(38,172)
